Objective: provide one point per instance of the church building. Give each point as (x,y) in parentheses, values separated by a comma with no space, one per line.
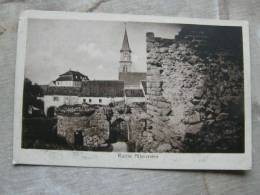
(132,80)
(73,87)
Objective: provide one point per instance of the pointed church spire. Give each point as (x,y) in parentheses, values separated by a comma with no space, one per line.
(125,45)
(125,55)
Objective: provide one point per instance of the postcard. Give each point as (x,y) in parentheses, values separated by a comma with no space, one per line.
(132,91)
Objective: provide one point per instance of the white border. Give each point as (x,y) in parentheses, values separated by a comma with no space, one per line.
(213,161)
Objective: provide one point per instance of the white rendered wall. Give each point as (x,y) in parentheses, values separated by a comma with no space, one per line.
(104,100)
(129,100)
(67,83)
(60,100)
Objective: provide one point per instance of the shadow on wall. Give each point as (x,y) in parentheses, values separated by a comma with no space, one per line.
(118,131)
(199,75)
(51,112)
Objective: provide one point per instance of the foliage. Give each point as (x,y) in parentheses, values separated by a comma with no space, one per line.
(30,94)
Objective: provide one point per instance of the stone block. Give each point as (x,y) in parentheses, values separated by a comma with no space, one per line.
(195,128)
(158,135)
(164,147)
(193,118)
(222,116)
(163,49)
(198,93)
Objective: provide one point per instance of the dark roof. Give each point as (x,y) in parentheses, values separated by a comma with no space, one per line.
(144,84)
(68,91)
(101,88)
(134,93)
(72,76)
(132,78)
(125,45)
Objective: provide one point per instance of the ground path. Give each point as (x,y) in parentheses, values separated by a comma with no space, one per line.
(119,147)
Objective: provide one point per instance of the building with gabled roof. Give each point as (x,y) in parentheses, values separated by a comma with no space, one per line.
(70,79)
(73,87)
(56,96)
(68,91)
(134,95)
(102,92)
(102,88)
(131,79)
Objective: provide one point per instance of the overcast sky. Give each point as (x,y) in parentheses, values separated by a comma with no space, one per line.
(90,47)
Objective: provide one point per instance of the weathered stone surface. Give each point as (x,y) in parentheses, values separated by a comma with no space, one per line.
(158,135)
(222,116)
(195,128)
(94,126)
(164,148)
(191,87)
(192,118)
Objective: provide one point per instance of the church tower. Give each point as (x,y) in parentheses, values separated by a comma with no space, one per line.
(125,56)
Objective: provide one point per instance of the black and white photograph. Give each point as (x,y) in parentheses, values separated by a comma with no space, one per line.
(136,90)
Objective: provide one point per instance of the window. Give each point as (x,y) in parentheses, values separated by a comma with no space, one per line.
(100,100)
(84,100)
(55,98)
(89,100)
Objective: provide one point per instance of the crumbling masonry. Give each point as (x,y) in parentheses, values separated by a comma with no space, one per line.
(195,91)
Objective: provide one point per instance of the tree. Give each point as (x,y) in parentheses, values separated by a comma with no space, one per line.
(30,94)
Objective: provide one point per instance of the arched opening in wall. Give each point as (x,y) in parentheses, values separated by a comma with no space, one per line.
(51,112)
(118,131)
(78,138)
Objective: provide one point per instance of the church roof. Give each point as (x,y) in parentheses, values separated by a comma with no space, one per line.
(67,91)
(132,78)
(72,76)
(134,93)
(125,45)
(102,88)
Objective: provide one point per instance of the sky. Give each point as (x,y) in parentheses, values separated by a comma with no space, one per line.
(90,47)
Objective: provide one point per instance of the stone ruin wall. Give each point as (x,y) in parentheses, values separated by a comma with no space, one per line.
(96,121)
(93,124)
(195,95)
